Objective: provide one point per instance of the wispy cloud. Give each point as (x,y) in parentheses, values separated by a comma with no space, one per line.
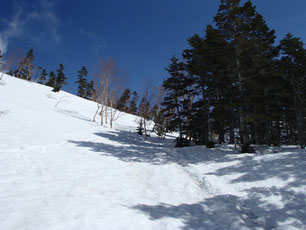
(14,29)
(38,25)
(99,43)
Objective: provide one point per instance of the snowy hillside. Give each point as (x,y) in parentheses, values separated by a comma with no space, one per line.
(61,171)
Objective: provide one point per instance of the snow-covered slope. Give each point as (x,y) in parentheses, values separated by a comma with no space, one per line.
(59,170)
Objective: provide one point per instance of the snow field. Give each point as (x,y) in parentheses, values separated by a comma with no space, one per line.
(60,170)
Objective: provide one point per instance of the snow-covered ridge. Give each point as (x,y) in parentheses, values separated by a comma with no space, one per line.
(60,170)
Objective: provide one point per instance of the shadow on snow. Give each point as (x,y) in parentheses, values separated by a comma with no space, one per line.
(222,210)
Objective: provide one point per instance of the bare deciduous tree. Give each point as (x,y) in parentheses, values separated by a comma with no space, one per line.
(108,82)
(12,59)
(145,106)
(116,85)
(159,95)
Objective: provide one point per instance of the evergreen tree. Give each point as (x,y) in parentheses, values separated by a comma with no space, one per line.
(43,77)
(175,87)
(294,69)
(133,104)
(159,123)
(82,82)
(90,91)
(51,80)
(60,79)
(208,64)
(252,44)
(122,103)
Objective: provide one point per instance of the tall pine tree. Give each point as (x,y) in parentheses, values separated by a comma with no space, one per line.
(82,82)
(60,79)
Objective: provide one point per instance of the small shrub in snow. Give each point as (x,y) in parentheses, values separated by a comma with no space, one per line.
(140,128)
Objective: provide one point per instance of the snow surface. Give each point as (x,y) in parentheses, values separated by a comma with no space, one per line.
(59,170)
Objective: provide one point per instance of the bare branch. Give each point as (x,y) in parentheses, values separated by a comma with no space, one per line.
(61,100)
(108,82)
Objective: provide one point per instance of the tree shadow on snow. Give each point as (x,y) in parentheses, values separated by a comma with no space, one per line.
(128,147)
(273,205)
(231,212)
(131,147)
(263,206)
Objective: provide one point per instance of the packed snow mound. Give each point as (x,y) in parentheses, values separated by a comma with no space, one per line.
(59,170)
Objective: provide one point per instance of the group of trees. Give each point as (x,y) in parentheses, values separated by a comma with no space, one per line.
(236,84)
(85,88)
(233,85)
(105,89)
(24,68)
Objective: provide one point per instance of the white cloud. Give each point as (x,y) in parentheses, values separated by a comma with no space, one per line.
(38,25)
(13,30)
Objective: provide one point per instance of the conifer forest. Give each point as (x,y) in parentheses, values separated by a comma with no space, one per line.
(235,85)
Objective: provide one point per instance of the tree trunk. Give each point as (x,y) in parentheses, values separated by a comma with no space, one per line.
(94,118)
(102,109)
(145,128)
(298,113)
(267,122)
(111,118)
(231,131)
(242,119)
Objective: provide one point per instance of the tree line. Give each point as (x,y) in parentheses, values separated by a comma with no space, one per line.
(236,85)
(105,88)
(233,85)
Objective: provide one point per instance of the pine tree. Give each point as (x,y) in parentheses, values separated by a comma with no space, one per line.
(51,80)
(133,104)
(294,67)
(175,87)
(122,103)
(90,91)
(159,123)
(60,79)
(251,41)
(43,77)
(82,82)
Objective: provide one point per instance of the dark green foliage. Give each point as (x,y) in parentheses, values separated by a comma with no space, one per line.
(52,79)
(43,77)
(122,103)
(90,91)
(82,82)
(233,87)
(175,87)
(60,79)
(133,104)
(293,64)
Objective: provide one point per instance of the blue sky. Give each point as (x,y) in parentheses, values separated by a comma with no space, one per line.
(141,35)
